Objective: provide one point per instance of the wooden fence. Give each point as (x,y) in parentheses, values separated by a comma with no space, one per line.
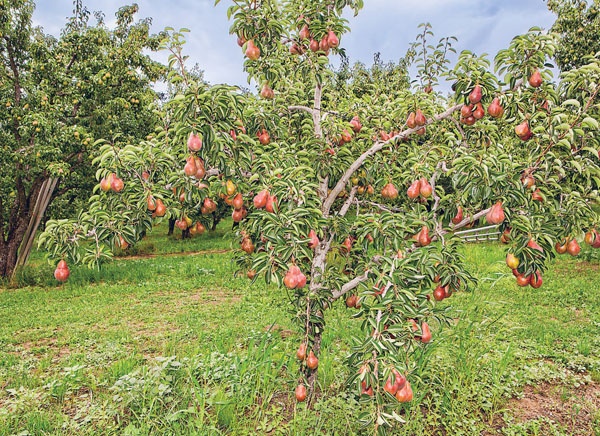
(480,234)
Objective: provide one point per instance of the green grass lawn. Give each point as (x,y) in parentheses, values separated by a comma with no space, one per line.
(176,344)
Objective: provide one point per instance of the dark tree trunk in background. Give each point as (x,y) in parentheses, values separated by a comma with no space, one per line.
(215,222)
(171,226)
(14,230)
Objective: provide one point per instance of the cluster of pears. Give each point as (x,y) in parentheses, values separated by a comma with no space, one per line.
(417,119)
(306,40)
(194,166)
(535,278)
(311,361)
(112,183)
(236,200)
(474,110)
(397,385)
(264,200)
(420,187)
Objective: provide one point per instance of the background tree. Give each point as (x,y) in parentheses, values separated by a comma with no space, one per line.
(179,173)
(58,95)
(578,25)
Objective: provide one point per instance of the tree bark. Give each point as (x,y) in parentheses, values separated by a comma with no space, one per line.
(12,232)
(42,202)
(171,226)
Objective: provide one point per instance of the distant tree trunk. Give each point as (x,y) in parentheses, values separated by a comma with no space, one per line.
(185,234)
(39,209)
(171,226)
(215,222)
(13,230)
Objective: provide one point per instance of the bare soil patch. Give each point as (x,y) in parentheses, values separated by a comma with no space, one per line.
(575,410)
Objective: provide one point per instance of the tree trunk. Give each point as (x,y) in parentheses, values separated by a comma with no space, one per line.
(171,226)
(185,234)
(9,249)
(215,222)
(309,374)
(12,232)
(42,201)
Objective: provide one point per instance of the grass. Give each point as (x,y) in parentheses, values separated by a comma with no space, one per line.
(176,344)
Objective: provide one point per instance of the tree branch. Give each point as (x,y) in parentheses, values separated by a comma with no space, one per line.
(348,202)
(469,220)
(349,286)
(373,150)
(302,108)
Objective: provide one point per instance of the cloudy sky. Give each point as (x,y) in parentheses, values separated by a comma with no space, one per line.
(385,26)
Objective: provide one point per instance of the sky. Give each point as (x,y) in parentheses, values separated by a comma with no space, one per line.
(384,26)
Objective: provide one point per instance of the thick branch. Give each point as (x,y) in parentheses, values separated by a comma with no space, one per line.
(349,286)
(373,150)
(15,70)
(302,108)
(316,112)
(469,219)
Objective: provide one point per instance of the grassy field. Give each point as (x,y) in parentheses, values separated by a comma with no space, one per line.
(175,344)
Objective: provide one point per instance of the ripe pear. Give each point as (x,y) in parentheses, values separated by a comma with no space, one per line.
(475,95)
(252,51)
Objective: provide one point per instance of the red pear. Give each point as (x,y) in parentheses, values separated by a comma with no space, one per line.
(194,142)
(106,182)
(301,353)
(300,393)
(311,361)
(535,280)
(405,394)
(534,245)
(495,214)
(314,240)
(247,245)
(573,247)
(475,95)
(466,111)
(61,273)
(478,112)
(410,121)
(260,199)
(304,32)
(495,109)
(414,189)
(267,92)
(535,79)
(238,201)
(523,132)
(332,39)
(420,119)
(271,204)
(117,184)
(190,167)
(425,189)
(252,51)
(423,238)
(389,192)
(459,216)
(425,333)
(356,125)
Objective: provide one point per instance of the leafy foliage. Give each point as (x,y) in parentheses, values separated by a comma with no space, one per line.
(352,187)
